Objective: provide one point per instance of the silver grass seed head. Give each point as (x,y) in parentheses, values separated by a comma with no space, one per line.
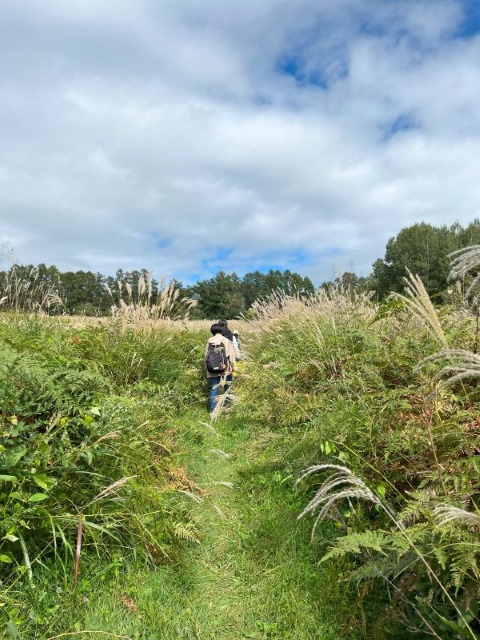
(446,514)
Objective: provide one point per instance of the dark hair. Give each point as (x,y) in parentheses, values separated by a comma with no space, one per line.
(222,323)
(226,333)
(216,328)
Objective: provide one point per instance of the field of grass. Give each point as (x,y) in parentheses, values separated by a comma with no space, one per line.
(127,512)
(251,574)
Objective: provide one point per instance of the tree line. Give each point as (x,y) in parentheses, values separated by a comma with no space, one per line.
(424,250)
(421,248)
(94,294)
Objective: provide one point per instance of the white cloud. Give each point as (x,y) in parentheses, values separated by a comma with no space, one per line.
(160,134)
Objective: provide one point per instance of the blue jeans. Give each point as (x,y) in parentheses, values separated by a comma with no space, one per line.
(215,388)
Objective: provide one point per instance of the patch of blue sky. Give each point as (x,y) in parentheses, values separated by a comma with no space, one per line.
(219,255)
(294,67)
(161,242)
(371,27)
(330,252)
(291,260)
(316,56)
(418,46)
(222,254)
(398,35)
(216,261)
(402,123)
(470,25)
(224,260)
(192,278)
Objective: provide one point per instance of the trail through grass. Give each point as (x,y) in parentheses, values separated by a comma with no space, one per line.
(251,576)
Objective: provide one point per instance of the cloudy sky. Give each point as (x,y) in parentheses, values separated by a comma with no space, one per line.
(190,136)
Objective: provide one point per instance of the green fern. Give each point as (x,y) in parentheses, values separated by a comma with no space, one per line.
(185,531)
(356,543)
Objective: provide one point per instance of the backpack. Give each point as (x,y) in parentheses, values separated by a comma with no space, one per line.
(216,359)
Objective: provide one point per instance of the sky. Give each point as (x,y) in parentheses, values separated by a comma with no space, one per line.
(191,136)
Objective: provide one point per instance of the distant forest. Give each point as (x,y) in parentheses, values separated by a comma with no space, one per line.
(421,248)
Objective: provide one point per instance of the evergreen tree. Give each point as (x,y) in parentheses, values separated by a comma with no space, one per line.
(220,297)
(84,292)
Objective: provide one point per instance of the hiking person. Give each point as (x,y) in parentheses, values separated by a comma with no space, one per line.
(233,336)
(237,345)
(219,363)
(225,330)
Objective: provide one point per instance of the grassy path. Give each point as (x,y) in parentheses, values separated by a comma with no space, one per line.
(250,577)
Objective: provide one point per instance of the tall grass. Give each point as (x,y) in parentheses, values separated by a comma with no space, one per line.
(88,453)
(20,294)
(337,379)
(90,413)
(163,302)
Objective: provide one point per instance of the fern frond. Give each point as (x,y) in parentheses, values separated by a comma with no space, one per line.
(464,562)
(185,531)
(355,543)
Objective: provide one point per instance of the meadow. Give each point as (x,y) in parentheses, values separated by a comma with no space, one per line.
(337,497)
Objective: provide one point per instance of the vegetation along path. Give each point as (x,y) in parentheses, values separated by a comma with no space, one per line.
(248,577)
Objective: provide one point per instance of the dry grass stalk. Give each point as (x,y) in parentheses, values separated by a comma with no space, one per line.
(192,496)
(89,632)
(149,285)
(446,514)
(342,483)
(332,302)
(141,286)
(21,293)
(463,261)
(224,401)
(417,300)
(166,304)
(107,436)
(111,489)
(463,364)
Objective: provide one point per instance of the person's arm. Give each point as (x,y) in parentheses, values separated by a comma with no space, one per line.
(205,357)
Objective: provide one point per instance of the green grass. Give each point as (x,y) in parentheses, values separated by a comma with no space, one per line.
(253,575)
(84,408)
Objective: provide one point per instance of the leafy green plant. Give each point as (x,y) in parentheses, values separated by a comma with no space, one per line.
(339,383)
(88,450)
